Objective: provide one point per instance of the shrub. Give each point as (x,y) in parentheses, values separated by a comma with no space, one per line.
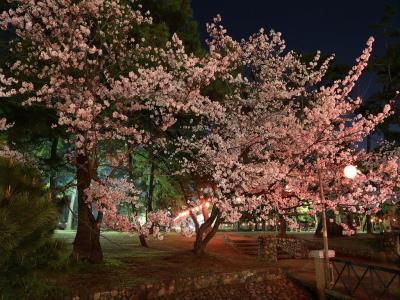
(27,220)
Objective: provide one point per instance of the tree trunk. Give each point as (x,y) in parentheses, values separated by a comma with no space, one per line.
(368,224)
(318,230)
(71,206)
(350,221)
(282,226)
(263,225)
(204,209)
(87,240)
(149,207)
(200,244)
(151,187)
(142,238)
(198,247)
(53,165)
(143,242)
(206,231)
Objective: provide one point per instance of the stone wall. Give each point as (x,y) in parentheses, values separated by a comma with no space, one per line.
(295,247)
(390,242)
(268,247)
(268,283)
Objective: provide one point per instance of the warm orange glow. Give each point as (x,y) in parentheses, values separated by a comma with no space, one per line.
(186,213)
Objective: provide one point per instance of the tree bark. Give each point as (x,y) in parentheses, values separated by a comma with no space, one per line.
(202,201)
(368,224)
(206,231)
(151,187)
(87,240)
(204,209)
(282,226)
(143,241)
(350,221)
(53,164)
(149,207)
(142,238)
(318,230)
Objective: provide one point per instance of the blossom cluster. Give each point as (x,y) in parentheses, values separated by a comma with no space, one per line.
(270,144)
(282,129)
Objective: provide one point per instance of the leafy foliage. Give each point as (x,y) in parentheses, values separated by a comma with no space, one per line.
(173,16)
(27,219)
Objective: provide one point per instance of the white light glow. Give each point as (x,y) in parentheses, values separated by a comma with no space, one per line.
(350,171)
(186,213)
(288,188)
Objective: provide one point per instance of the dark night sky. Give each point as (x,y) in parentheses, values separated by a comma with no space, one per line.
(332,26)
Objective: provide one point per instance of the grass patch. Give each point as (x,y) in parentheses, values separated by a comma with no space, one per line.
(127,264)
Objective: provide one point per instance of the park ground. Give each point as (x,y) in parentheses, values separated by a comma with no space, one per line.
(127,264)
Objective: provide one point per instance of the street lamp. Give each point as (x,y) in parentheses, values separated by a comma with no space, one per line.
(350,172)
(324,228)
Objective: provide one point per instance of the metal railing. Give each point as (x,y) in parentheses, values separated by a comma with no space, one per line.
(353,280)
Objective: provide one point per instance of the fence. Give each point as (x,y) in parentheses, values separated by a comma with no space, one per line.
(352,280)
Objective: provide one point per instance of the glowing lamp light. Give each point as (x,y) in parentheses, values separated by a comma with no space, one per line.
(288,188)
(350,171)
(186,213)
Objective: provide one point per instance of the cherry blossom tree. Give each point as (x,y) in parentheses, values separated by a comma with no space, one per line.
(282,128)
(276,130)
(81,59)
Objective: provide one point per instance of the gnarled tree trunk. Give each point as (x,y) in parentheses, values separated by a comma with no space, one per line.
(87,240)
(206,231)
(203,201)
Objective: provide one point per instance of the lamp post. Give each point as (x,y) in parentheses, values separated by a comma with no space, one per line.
(350,172)
(324,228)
